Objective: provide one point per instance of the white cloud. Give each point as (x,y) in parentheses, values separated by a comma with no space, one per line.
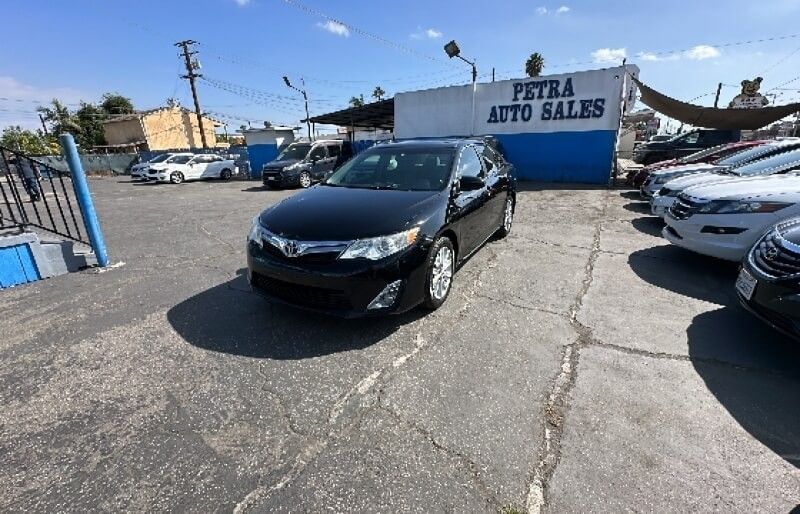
(700,52)
(433,34)
(242,3)
(541,11)
(648,56)
(22,100)
(562,10)
(334,27)
(609,54)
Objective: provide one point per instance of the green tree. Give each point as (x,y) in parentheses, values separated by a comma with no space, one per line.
(59,118)
(115,103)
(25,141)
(378,93)
(90,120)
(534,65)
(357,101)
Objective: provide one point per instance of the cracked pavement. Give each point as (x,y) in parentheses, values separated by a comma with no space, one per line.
(581,364)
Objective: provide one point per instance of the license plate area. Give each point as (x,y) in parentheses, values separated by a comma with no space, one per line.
(746,284)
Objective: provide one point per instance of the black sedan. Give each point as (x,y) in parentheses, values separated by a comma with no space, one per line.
(386,231)
(769,280)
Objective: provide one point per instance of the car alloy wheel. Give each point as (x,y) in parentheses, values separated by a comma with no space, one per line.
(176,177)
(305,179)
(226,174)
(441,266)
(508,218)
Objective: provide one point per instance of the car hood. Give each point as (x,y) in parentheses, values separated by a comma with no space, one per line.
(325,213)
(703,177)
(159,167)
(281,164)
(779,187)
(683,168)
(140,166)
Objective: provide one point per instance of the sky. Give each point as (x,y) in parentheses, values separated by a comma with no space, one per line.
(78,50)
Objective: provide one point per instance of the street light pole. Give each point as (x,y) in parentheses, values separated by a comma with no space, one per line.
(452,50)
(305,100)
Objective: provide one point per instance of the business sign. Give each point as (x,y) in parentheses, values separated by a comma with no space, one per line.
(749,98)
(582,101)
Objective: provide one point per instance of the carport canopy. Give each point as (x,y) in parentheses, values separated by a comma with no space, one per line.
(378,114)
(710,117)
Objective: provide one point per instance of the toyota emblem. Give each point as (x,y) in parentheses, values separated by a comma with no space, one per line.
(771,253)
(290,248)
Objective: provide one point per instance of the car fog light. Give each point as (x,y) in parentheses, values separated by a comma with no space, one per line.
(386,297)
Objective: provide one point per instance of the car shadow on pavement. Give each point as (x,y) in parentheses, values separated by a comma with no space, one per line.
(229,318)
(637,207)
(631,195)
(256,189)
(754,372)
(650,225)
(686,273)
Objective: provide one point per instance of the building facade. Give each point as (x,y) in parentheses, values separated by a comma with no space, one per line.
(167,128)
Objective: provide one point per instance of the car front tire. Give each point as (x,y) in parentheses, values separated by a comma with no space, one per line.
(305,179)
(176,177)
(439,277)
(226,174)
(508,218)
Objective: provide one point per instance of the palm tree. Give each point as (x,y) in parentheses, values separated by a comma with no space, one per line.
(378,93)
(534,65)
(357,101)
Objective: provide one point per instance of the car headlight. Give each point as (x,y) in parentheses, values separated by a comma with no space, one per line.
(741,207)
(256,232)
(376,248)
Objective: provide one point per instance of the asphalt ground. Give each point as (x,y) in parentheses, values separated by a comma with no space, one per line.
(582,364)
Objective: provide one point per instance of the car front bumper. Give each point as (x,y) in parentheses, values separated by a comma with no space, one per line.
(659,205)
(342,288)
(776,303)
(689,233)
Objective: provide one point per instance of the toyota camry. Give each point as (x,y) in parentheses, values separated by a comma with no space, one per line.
(386,231)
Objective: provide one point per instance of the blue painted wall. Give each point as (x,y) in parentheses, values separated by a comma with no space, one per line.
(259,155)
(561,156)
(17,266)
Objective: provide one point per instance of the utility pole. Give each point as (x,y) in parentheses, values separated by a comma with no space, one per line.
(716,98)
(191,75)
(305,100)
(492,73)
(44,125)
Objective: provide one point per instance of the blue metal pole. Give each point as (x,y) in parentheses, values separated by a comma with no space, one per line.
(84,199)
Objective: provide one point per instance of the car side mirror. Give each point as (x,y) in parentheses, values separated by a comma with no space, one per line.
(470,183)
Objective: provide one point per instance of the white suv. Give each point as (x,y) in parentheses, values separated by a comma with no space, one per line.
(723,220)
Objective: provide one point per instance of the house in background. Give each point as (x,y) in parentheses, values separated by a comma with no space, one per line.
(164,128)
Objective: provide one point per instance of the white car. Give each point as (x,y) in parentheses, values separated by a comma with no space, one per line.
(660,177)
(139,171)
(193,167)
(786,159)
(723,220)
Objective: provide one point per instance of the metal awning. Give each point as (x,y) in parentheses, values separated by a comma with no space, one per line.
(373,115)
(710,117)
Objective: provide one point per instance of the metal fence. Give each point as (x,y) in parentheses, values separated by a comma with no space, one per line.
(34,194)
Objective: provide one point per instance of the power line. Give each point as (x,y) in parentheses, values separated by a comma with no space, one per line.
(314,12)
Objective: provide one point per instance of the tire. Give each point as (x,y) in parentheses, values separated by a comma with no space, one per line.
(176,177)
(226,174)
(305,179)
(508,218)
(436,291)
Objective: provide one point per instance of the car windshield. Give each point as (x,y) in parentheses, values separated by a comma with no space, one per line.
(702,154)
(159,158)
(784,161)
(181,159)
(745,156)
(294,152)
(409,169)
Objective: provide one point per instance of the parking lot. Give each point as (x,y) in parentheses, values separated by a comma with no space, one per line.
(581,364)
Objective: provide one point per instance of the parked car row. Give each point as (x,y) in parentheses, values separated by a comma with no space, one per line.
(180,167)
(744,208)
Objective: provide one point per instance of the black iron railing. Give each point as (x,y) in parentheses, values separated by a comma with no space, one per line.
(34,194)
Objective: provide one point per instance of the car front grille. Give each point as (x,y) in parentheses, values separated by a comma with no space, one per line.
(682,208)
(270,172)
(773,256)
(307,258)
(302,295)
